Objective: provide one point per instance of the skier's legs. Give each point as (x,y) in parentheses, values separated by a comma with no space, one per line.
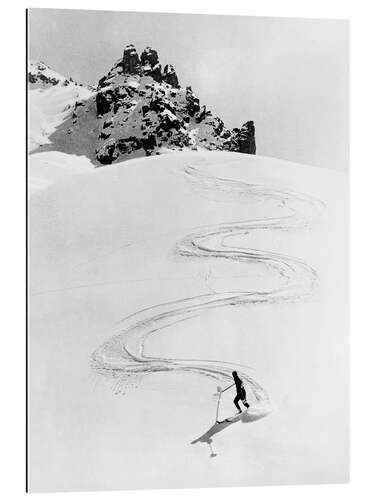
(235,401)
(243,399)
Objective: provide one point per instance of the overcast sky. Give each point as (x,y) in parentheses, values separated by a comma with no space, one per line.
(288,75)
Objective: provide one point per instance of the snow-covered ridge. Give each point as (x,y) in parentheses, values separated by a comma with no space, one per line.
(40,75)
(52,100)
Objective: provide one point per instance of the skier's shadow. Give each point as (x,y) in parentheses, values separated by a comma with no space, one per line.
(247,416)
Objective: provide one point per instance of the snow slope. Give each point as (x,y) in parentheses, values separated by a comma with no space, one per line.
(149,282)
(51,99)
(45,169)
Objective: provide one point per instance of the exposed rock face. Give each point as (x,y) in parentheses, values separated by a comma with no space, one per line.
(169,76)
(107,154)
(192,102)
(104,101)
(150,64)
(42,79)
(140,110)
(130,60)
(149,56)
(203,114)
(42,76)
(244,139)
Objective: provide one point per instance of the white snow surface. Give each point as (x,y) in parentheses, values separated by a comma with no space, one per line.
(149,282)
(45,169)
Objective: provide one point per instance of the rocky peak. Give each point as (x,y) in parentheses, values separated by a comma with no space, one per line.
(149,57)
(130,61)
(150,64)
(138,110)
(147,65)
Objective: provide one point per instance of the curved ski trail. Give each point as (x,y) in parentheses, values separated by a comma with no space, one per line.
(122,357)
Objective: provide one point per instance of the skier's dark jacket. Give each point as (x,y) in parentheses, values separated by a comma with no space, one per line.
(239,387)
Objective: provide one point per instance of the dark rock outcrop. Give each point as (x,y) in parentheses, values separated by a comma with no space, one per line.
(150,64)
(130,60)
(104,101)
(169,76)
(42,78)
(192,102)
(128,145)
(169,122)
(41,74)
(243,140)
(149,56)
(203,114)
(108,153)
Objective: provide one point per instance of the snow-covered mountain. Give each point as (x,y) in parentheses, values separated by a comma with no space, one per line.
(41,76)
(138,109)
(52,98)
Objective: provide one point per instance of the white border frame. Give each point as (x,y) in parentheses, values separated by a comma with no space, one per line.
(12,199)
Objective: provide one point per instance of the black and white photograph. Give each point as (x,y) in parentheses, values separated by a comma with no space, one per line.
(188,250)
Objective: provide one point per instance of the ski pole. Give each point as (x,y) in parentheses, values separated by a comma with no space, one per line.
(227,387)
(220,390)
(217,408)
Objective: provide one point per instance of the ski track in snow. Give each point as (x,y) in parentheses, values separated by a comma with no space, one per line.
(122,357)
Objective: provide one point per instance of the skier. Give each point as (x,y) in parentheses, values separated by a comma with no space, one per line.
(241,393)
